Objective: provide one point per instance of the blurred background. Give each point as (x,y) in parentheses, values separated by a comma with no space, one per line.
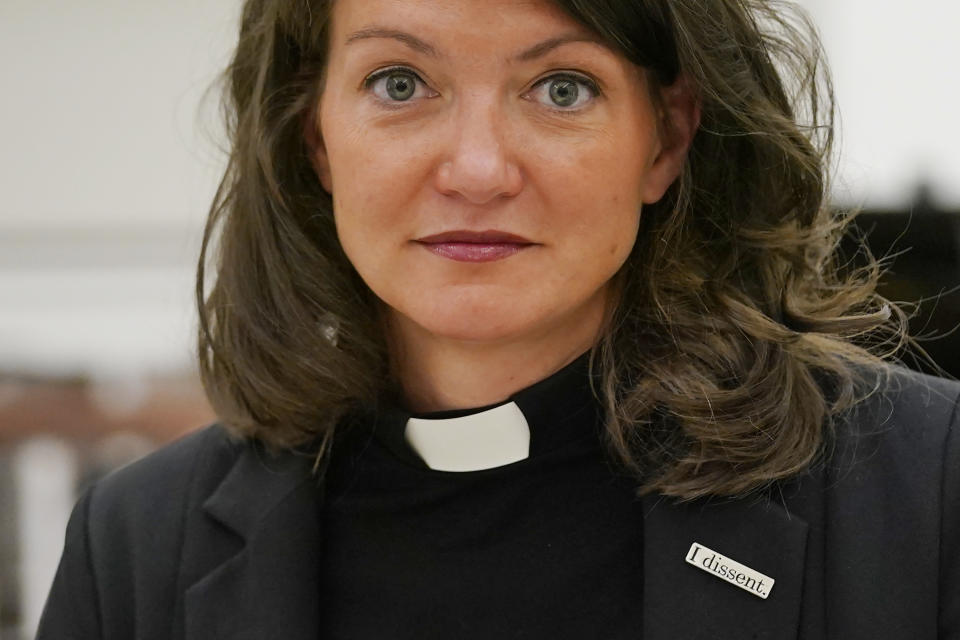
(111,151)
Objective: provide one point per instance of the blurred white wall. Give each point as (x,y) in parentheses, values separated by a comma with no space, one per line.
(98,117)
(108,161)
(898,88)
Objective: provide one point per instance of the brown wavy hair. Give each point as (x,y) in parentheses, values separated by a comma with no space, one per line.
(737,333)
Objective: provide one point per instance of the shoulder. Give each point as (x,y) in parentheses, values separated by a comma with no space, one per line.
(900,441)
(908,394)
(125,539)
(910,412)
(165,479)
(139,511)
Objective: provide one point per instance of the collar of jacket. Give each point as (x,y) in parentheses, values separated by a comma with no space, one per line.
(268,587)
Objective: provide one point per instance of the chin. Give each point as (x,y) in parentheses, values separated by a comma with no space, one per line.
(489,323)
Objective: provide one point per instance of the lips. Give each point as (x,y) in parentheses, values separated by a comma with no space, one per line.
(475,246)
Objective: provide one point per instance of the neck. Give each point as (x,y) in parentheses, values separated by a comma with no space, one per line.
(438,374)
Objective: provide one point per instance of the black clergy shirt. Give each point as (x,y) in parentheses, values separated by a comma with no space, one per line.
(546,547)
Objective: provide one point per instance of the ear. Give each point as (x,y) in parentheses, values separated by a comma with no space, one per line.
(315,147)
(679,119)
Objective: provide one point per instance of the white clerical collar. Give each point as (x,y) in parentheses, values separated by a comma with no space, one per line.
(534,421)
(483,440)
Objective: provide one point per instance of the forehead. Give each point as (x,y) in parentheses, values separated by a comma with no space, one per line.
(473,21)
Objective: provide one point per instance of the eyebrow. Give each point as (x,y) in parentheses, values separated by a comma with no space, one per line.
(536,51)
(410,40)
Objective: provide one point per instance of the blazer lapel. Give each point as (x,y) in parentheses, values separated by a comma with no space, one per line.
(266,587)
(683,601)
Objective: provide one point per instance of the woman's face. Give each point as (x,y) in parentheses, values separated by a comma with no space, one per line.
(470,116)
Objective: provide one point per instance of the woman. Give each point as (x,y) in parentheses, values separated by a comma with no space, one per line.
(527,323)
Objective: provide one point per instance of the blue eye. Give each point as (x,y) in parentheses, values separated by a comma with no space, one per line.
(561,92)
(565,92)
(396,84)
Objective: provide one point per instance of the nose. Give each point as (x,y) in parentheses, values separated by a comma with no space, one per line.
(479,163)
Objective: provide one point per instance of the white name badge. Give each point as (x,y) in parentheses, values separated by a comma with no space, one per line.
(730,570)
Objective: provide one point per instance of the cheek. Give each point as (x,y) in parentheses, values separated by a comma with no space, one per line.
(367,187)
(373,194)
(619,231)
(599,231)
(605,202)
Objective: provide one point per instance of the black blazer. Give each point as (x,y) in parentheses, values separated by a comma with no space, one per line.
(210,538)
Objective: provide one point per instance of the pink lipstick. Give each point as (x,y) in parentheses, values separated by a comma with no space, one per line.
(475,246)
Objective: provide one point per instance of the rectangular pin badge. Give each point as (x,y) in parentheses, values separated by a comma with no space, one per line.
(730,570)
